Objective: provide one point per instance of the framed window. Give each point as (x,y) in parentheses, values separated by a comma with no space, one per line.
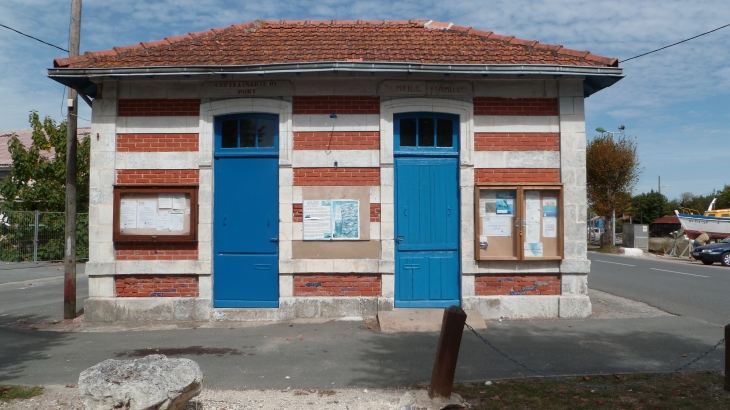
(518,222)
(250,133)
(425,133)
(155,214)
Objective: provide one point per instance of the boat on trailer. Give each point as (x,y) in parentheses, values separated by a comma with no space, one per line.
(714,222)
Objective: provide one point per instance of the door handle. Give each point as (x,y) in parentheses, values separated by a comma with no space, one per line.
(448,208)
(274,239)
(398,239)
(517,222)
(224,220)
(405,211)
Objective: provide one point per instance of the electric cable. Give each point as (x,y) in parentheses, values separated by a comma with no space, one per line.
(678,42)
(36,39)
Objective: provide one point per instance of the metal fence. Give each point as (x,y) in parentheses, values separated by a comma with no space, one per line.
(32,236)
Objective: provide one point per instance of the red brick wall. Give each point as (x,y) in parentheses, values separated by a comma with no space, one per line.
(335,105)
(151,252)
(485,175)
(516,142)
(337,285)
(157,142)
(536,284)
(515,106)
(157,107)
(158,176)
(346,140)
(298,216)
(374,212)
(336,176)
(143,286)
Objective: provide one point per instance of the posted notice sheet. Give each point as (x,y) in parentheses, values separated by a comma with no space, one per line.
(128,214)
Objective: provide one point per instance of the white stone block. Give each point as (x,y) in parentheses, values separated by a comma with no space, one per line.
(516,124)
(572,123)
(574,284)
(387,229)
(387,285)
(387,213)
(343,122)
(286,177)
(467,285)
(386,266)
(285,250)
(574,307)
(387,177)
(205,214)
(101,160)
(387,194)
(205,285)
(374,194)
(570,88)
(320,265)
(336,87)
(99,269)
(205,250)
(285,212)
(165,125)
(296,234)
(205,232)
(285,195)
(286,285)
(375,231)
(285,231)
(102,287)
(297,195)
(343,158)
(101,195)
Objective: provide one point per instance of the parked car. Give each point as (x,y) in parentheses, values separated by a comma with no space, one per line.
(714,252)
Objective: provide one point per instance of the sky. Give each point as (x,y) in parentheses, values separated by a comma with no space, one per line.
(676,102)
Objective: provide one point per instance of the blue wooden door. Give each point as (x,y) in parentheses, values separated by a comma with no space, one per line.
(246,212)
(426,211)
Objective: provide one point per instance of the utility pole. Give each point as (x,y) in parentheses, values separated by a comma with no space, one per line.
(659,184)
(69,276)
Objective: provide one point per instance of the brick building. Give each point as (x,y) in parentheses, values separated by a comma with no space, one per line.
(273,170)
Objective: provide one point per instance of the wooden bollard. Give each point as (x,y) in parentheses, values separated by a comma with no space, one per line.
(727,358)
(447,352)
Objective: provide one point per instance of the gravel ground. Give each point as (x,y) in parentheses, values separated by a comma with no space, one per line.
(67,398)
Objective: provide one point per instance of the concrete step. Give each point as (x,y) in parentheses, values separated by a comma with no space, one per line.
(422,320)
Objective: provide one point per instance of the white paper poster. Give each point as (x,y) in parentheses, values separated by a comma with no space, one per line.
(163,220)
(164,201)
(532,225)
(533,249)
(178,201)
(177,221)
(317,218)
(128,214)
(147,214)
(497,225)
(550,227)
(487,203)
(532,200)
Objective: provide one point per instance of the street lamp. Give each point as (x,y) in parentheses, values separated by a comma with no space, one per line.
(621,129)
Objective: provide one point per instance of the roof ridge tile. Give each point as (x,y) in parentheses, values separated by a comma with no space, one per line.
(155,43)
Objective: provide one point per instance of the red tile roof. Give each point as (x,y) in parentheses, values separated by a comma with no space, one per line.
(271,42)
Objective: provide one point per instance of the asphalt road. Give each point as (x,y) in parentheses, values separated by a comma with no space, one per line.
(35,292)
(339,354)
(680,287)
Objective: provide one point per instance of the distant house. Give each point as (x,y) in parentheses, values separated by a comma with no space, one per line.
(26,137)
(664,226)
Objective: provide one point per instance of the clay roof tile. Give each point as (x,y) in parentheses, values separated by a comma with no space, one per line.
(268,42)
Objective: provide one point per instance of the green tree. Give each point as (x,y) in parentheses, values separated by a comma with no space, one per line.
(648,207)
(38,182)
(612,169)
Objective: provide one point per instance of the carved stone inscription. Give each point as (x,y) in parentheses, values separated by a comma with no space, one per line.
(247,88)
(427,88)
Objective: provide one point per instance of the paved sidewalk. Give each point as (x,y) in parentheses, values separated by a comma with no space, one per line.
(339,354)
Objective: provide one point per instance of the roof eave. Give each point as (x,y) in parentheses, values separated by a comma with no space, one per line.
(596,78)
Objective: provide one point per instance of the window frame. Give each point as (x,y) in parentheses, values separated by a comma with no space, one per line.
(219,151)
(453,150)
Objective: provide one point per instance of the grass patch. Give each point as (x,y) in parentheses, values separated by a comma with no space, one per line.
(610,249)
(701,390)
(19,392)
(326,392)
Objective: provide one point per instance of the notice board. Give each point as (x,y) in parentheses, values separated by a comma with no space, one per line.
(155,214)
(518,222)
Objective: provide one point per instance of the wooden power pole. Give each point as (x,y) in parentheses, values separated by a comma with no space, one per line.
(69,282)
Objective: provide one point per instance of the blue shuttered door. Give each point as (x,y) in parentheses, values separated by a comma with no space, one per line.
(246,219)
(426,229)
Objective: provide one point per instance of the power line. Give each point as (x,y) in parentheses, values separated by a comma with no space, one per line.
(36,39)
(679,42)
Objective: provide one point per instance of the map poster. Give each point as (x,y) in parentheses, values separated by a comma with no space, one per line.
(346,219)
(316,219)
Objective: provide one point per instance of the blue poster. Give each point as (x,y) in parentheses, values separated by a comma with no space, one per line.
(505,203)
